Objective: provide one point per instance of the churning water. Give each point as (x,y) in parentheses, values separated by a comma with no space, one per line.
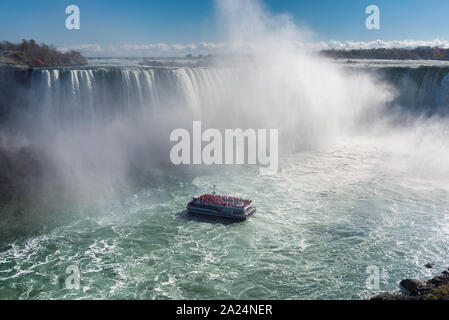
(363,182)
(320,223)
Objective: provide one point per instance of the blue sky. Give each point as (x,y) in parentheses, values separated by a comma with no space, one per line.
(118,22)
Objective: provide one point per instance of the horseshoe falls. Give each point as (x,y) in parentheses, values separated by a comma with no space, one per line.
(87,179)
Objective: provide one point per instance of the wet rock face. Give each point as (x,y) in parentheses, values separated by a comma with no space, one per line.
(413,286)
(436,288)
(383,296)
(20,170)
(443,278)
(429,265)
(13,97)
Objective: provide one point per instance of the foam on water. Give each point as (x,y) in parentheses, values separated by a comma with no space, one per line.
(320,223)
(364,182)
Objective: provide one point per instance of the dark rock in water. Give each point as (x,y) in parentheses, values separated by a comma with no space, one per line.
(444,278)
(436,288)
(429,265)
(383,296)
(413,286)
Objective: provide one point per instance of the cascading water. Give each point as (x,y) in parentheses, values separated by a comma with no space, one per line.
(98,123)
(355,190)
(63,96)
(422,90)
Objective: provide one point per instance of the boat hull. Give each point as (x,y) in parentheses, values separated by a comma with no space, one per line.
(209,212)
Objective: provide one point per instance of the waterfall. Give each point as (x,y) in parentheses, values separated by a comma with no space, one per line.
(424,90)
(63,97)
(97,124)
(304,100)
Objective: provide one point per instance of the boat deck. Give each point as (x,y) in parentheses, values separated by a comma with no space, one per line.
(222,206)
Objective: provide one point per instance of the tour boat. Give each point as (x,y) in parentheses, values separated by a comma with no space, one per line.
(222,206)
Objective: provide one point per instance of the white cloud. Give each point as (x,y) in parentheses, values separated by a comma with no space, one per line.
(83,48)
(163,49)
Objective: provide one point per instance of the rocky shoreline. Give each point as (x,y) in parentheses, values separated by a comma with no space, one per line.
(436,288)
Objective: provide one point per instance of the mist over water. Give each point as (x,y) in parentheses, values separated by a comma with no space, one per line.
(363,181)
(98,122)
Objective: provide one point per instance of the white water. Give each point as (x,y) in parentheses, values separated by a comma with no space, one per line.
(357,187)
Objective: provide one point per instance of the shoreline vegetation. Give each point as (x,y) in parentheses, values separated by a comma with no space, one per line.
(29,54)
(436,288)
(418,53)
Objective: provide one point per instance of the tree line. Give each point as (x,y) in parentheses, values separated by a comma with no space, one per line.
(419,53)
(30,53)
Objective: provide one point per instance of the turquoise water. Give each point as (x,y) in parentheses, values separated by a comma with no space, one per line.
(319,224)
